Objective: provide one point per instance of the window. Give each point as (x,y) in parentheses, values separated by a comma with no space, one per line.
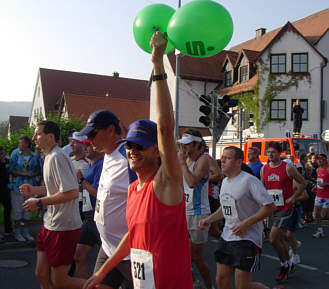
(278,109)
(244,73)
(299,62)
(278,63)
(304,104)
(228,78)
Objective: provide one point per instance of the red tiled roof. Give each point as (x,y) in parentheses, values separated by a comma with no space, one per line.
(311,27)
(240,87)
(251,54)
(55,82)
(127,109)
(203,69)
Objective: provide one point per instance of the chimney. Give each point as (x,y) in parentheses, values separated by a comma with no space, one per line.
(260,32)
(115,74)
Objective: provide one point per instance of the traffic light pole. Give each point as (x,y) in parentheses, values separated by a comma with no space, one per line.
(240,126)
(214,129)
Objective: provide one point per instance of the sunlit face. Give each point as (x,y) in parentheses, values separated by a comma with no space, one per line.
(273,155)
(88,150)
(76,147)
(229,162)
(98,139)
(40,138)
(141,157)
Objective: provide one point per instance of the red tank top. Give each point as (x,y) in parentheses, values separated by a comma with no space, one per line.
(323,177)
(277,180)
(161,230)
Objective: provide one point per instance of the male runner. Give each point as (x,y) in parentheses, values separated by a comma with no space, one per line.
(254,163)
(157,239)
(278,176)
(57,238)
(244,204)
(321,203)
(195,167)
(104,132)
(89,234)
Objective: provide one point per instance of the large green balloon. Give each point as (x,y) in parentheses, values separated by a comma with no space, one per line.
(150,19)
(200,28)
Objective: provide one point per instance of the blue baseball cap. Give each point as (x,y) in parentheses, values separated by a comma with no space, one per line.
(99,119)
(142,132)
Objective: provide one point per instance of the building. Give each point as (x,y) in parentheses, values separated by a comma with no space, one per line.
(79,94)
(269,72)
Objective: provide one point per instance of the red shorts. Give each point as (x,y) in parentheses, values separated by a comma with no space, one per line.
(59,246)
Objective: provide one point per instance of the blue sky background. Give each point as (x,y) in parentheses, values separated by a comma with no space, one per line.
(96,36)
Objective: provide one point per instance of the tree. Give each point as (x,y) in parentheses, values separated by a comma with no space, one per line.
(4,128)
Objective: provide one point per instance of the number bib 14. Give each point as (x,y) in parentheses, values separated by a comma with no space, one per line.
(228,207)
(277,197)
(142,269)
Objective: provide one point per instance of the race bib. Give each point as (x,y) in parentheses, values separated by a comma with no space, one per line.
(86,203)
(99,208)
(319,181)
(189,198)
(277,197)
(80,196)
(228,207)
(142,269)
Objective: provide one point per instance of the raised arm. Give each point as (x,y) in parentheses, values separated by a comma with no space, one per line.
(168,184)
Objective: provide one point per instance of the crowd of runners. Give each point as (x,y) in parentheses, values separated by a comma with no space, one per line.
(151,206)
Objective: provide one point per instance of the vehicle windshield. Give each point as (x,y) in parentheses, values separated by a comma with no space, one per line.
(303,145)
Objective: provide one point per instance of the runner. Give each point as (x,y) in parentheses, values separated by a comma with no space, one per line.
(157,239)
(89,234)
(195,167)
(321,204)
(254,163)
(244,204)
(104,133)
(57,238)
(278,177)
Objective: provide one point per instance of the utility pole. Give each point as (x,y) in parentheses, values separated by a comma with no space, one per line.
(240,126)
(177,90)
(214,124)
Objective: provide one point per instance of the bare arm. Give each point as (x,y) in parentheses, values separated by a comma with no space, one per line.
(121,252)
(261,175)
(168,185)
(201,171)
(28,190)
(293,172)
(91,189)
(216,175)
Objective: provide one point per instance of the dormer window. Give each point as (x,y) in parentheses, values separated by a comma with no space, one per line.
(299,62)
(228,78)
(244,73)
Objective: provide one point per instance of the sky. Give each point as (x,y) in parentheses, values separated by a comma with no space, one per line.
(96,36)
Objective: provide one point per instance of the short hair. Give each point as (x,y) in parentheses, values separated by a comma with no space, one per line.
(275,145)
(51,127)
(26,139)
(238,153)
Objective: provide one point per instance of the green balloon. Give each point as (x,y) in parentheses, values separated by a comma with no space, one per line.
(150,19)
(200,28)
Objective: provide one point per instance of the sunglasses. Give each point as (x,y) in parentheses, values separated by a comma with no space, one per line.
(130,145)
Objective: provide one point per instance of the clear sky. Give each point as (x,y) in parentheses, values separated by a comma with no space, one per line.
(96,36)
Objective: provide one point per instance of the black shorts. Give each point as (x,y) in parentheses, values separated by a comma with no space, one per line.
(213,203)
(119,275)
(281,219)
(89,233)
(243,255)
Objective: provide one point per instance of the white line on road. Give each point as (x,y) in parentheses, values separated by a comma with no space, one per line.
(299,265)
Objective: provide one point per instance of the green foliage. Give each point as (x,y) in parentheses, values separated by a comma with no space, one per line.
(66,125)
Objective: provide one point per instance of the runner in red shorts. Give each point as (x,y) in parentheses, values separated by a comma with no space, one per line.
(60,232)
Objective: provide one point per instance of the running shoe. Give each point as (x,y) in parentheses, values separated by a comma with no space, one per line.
(28,237)
(295,259)
(292,268)
(318,234)
(20,238)
(283,274)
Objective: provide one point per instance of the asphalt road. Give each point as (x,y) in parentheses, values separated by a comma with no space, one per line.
(312,273)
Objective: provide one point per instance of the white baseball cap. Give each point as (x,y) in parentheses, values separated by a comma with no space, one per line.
(187,138)
(79,138)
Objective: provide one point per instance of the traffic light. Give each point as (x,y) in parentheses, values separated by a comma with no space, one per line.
(225,102)
(206,110)
(246,123)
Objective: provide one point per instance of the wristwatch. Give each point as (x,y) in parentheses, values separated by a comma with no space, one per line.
(81,180)
(159,77)
(39,204)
